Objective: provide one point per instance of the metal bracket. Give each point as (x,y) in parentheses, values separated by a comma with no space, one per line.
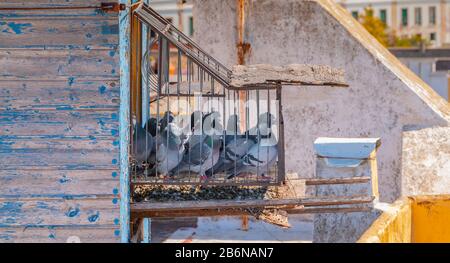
(112,7)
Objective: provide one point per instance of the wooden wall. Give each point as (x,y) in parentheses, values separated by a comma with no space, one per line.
(59,121)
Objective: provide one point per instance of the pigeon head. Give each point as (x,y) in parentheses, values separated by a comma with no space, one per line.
(151,126)
(166,119)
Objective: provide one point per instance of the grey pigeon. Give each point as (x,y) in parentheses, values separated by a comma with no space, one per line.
(167,118)
(142,143)
(170,151)
(259,159)
(203,150)
(261,152)
(151,126)
(236,145)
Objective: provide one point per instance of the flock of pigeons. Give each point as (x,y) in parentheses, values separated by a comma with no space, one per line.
(165,148)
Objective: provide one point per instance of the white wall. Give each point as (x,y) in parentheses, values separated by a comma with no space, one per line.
(383,95)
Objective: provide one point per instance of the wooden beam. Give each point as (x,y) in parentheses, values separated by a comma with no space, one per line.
(244,212)
(235,207)
(349,180)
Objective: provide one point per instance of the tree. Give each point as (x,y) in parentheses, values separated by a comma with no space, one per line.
(379,30)
(375,26)
(410,41)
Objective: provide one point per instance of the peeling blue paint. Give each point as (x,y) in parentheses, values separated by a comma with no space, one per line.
(93,218)
(64,180)
(102,89)
(73,212)
(16,28)
(110,30)
(71,80)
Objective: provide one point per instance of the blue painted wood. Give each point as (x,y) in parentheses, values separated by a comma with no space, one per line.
(34,64)
(27,183)
(78,210)
(60,234)
(63,121)
(52,95)
(23,154)
(47,3)
(146,229)
(59,119)
(40,32)
(124,46)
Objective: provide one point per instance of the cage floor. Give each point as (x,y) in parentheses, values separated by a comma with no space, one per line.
(161,193)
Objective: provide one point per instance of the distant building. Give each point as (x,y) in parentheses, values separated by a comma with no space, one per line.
(432,65)
(428,18)
(178,12)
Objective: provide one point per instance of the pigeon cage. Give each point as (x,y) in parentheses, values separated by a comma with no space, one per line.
(190,126)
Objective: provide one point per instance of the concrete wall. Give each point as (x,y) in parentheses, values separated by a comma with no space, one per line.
(393,226)
(384,95)
(426,161)
(418,219)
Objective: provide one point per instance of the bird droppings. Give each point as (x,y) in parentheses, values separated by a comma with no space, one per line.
(161,193)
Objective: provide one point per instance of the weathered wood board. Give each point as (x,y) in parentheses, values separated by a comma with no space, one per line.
(52,95)
(59,108)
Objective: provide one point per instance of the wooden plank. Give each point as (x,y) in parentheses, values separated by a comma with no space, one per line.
(47,3)
(58,211)
(27,63)
(242,212)
(56,14)
(49,183)
(36,153)
(51,95)
(60,234)
(73,33)
(61,122)
(124,52)
(233,204)
(349,180)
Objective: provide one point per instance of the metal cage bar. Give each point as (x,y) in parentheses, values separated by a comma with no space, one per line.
(186,139)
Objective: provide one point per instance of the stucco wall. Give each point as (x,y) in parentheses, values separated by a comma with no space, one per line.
(426,161)
(383,95)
